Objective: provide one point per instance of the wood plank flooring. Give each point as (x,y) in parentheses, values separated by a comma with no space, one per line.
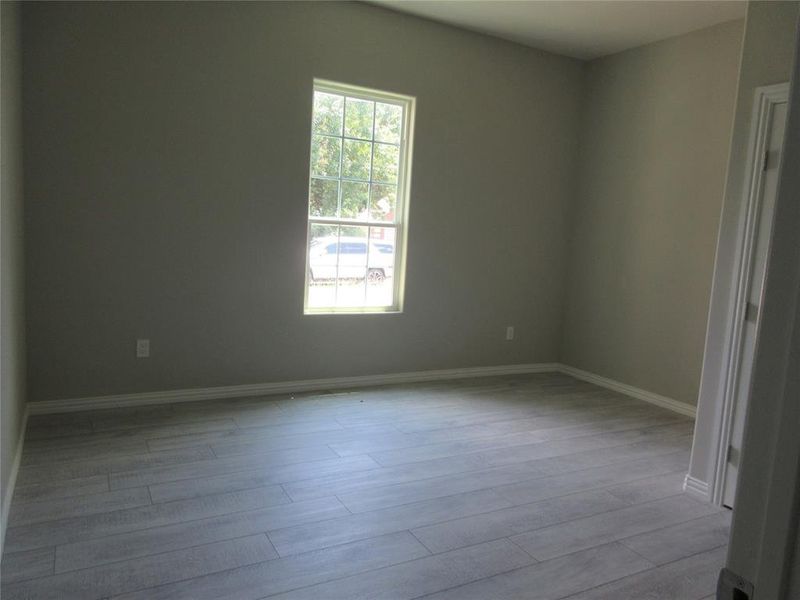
(536,486)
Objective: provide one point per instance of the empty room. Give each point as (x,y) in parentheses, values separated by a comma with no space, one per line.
(400,299)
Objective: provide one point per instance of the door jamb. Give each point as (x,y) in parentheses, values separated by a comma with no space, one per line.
(765,99)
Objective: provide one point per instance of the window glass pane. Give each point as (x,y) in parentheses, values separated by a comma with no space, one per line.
(354,200)
(325,155)
(328,110)
(352,233)
(353,251)
(358,118)
(388,121)
(357,157)
(382,202)
(323,259)
(323,197)
(380,269)
(385,163)
(328,113)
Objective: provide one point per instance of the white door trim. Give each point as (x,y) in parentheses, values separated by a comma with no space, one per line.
(765,99)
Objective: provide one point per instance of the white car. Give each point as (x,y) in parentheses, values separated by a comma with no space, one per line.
(346,257)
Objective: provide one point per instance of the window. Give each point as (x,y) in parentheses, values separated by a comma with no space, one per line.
(357,199)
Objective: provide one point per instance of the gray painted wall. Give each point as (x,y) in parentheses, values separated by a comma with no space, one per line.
(767,54)
(166,179)
(12,325)
(655,135)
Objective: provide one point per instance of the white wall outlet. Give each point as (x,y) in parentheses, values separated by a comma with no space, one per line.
(142,348)
(509,333)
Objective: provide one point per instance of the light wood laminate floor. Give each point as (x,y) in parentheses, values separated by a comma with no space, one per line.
(536,486)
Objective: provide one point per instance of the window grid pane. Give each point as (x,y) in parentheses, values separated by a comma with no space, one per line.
(326,155)
(328,113)
(359,118)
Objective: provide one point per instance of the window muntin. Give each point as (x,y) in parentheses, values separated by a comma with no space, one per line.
(358,186)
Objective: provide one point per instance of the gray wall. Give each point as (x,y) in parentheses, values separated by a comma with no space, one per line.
(656,128)
(167,147)
(766,59)
(12,327)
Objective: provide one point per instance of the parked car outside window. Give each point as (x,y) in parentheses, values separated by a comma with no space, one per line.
(350,258)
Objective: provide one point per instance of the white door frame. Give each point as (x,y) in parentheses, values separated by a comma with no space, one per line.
(765,99)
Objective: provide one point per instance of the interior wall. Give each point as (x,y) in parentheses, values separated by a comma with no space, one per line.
(167,178)
(767,54)
(12,328)
(655,135)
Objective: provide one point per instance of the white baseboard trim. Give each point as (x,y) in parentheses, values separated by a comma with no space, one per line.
(336,383)
(698,489)
(629,390)
(263,389)
(8,493)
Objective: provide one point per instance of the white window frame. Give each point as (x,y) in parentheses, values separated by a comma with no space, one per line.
(400,223)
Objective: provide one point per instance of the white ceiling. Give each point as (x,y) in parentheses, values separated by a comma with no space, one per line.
(582,29)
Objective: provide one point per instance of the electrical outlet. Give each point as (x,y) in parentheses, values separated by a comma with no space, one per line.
(509,333)
(142,348)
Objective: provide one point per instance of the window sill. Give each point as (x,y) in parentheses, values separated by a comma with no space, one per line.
(352,311)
